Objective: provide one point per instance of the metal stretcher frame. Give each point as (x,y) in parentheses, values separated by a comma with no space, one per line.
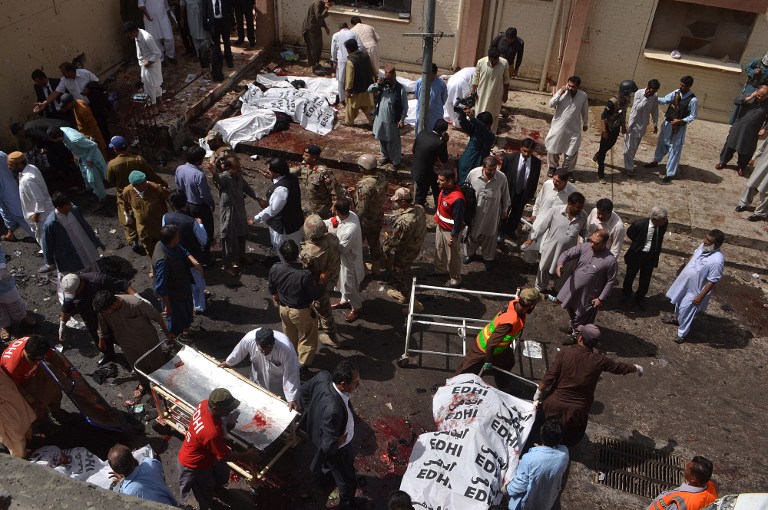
(463,325)
(173,411)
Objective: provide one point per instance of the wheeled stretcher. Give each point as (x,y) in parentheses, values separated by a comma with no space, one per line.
(263,420)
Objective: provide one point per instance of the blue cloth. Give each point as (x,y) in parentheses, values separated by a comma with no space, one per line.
(192,180)
(147,481)
(58,249)
(438,95)
(539,476)
(10,203)
(673,143)
(92,163)
(182,307)
(161,269)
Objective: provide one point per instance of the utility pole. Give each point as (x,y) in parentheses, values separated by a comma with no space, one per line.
(426,72)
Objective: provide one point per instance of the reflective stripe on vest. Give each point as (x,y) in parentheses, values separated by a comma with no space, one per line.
(508,316)
(444,219)
(685,500)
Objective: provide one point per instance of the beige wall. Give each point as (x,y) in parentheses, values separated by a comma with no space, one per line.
(393,47)
(520,14)
(45,33)
(612,52)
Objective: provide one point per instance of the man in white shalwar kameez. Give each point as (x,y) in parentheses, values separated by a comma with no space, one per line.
(151,63)
(339,55)
(157,23)
(459,85)
(274,362)
(603,217)
(491,83)
(554,192)
(492,192)
(692,290)
(644,106)
(346,226)
(757,184)
(571,118)
(559,230)
(36,203)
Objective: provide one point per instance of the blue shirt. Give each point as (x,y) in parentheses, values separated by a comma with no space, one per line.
(693,106)
(539,476)
(192,180)
(147,481)
(438,95)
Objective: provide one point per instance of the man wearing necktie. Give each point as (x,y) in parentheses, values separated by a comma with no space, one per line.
(522,170)
(647,236)
(44,87)
(329,422)
(219,17)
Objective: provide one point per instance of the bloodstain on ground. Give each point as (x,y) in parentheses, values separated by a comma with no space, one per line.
(388,443)
(532,134)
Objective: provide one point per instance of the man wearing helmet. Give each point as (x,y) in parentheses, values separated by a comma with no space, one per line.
(612,121)
(320,254)
(370,195)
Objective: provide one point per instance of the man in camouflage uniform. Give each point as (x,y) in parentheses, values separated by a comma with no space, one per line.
(320,254)
(370,194)
(404,245)
(322,187)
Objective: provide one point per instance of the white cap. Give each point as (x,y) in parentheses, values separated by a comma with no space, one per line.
(69,285)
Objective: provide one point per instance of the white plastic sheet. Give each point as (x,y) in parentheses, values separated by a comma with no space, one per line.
(246,128)
(476,450)
(81,464)
(327,87)
(309,109)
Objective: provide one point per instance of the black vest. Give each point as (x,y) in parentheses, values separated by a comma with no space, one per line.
(186,225)
(683,109)
(363,73)
(179,280)
(291,217)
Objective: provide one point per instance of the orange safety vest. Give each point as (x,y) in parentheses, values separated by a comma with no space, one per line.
(686,500)
(444,210)
(507,316)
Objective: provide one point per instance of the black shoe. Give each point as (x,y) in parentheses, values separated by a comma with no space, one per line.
(230,64)
(679,339)
(741,208)
(489,265)
(106,358)
(640,304)
(138,249)
(570,341)
(666,179)
(467,259)
(239,41)
(252,44)
(755,217)
(652,164)
(623,299)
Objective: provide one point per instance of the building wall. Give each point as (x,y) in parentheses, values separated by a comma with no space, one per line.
(43,34)
(394,47)
(514,14)
(612,52)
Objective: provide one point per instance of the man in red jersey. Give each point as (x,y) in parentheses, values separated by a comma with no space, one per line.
(204,453)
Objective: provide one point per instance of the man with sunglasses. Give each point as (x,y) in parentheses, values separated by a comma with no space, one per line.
(274,362)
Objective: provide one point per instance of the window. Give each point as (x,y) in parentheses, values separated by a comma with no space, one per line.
(700,30)
(379,5)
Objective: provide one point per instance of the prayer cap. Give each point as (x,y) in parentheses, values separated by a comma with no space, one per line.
(136,177)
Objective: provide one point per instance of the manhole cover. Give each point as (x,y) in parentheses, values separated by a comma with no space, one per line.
(636,469)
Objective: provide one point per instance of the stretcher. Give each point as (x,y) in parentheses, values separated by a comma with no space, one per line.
(465,327)
(89,402)
(262,420)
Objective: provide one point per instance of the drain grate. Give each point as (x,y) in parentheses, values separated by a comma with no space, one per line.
(636,469)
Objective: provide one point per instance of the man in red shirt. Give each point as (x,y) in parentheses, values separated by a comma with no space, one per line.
(20,361)
(204,453)
(449,220)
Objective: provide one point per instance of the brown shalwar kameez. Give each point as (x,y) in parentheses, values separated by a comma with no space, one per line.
(573,378)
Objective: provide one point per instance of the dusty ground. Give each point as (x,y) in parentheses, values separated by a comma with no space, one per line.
(703,397)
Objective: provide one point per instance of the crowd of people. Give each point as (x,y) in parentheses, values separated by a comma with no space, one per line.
(319,231)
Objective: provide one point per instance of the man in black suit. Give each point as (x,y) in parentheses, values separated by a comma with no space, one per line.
(218,16)
(428,148)
(329,422)
(522,170)
(44,87)
(642,256)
